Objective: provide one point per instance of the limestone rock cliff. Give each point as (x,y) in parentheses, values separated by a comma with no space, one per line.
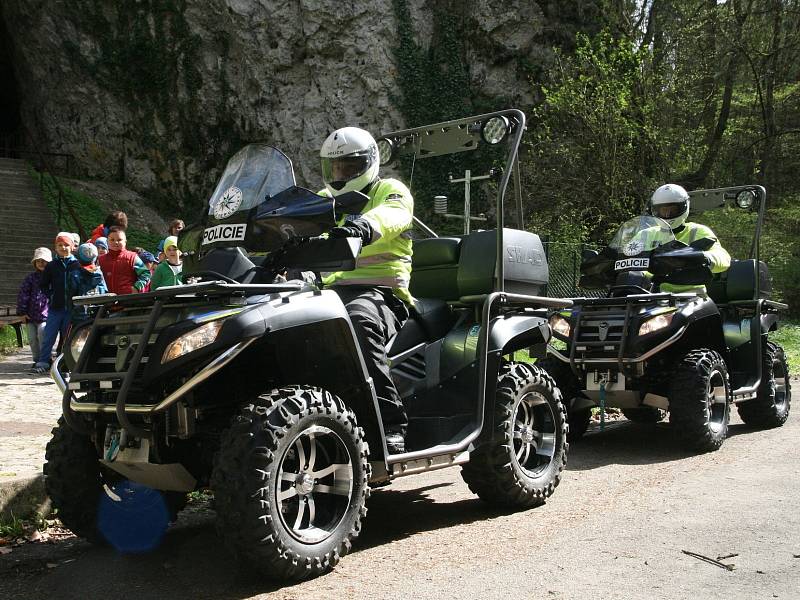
(158,93)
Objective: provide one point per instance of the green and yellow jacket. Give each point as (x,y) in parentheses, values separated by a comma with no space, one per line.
(720,259)
(386,261)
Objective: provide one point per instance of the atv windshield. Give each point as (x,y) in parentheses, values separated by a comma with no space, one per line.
(641,234)
(257,206)
(254,173)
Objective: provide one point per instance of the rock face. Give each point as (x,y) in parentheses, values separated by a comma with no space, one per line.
(158,93)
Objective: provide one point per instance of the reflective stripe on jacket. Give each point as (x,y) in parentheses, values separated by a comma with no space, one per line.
(386,261)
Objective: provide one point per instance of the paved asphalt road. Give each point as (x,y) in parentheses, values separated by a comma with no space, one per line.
(628,505)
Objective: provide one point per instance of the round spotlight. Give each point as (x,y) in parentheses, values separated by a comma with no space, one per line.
(745,199)
(495,130)
(385,151)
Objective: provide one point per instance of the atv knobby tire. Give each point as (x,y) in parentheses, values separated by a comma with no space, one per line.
(523,466)
(643,414)
(699,400)
(771,406)
(74,480)
(290,482)
(577,420)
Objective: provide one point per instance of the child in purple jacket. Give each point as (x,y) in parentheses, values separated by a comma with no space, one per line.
(32,301)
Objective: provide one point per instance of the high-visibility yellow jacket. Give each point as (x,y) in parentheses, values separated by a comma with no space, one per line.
(720,259)
(386,261)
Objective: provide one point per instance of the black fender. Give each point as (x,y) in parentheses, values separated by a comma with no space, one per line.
(508,334)
(311,337)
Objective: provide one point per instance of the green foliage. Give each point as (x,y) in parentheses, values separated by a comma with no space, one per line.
(8,338)
(590,153)
(788,336)
(12,527)
(90,213)
(147,56)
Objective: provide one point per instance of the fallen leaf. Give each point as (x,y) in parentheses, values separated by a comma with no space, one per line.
(5,550)
(35,536)
(51,565)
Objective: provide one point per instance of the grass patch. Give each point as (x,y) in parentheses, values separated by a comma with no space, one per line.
(8,339)
(90,212)
(12,528)
(788,336)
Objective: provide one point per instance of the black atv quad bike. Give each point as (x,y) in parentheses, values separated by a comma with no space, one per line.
(258,389)
(648,352)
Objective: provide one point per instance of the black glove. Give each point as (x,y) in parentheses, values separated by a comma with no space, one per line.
(357,228)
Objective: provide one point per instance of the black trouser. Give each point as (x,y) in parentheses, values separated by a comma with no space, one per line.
(374,322)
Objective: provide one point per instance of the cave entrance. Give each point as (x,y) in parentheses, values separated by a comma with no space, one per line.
(10,120)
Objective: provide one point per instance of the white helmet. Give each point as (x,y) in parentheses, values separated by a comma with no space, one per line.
(349,160)
(671,203)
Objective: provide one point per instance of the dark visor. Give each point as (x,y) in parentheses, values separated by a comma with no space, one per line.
(343,169)
(669,211)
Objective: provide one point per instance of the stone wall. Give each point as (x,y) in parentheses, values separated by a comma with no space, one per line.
(158,93)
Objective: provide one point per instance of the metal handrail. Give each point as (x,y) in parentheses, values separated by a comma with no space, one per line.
(62,198)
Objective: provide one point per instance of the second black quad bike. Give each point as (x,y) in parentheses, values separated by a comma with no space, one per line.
(692,355)
(258,389)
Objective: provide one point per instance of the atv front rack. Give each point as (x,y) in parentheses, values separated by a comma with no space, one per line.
(602,327)
(206,288)
(123,380)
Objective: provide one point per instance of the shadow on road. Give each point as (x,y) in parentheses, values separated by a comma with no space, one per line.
(192,563)
(627,443)
(397,514)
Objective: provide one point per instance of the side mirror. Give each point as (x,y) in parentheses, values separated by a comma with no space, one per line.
(587,254)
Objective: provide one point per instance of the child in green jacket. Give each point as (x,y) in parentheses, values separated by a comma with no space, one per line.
(168,271)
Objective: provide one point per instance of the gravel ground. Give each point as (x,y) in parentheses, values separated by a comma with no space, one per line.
(630,502)
(29,408)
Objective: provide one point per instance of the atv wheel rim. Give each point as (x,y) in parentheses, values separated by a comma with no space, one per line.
(779,377)
(717,402)
(315,484)
(534,439)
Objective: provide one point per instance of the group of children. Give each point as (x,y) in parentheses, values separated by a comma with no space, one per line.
(101,265)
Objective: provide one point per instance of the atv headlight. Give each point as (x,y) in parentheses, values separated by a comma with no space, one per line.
(655,323)
(194,340)
(77,342)
(559,325)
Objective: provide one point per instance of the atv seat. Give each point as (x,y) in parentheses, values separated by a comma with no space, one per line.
(434,280)
(739,282)
(451,268)
(446,269)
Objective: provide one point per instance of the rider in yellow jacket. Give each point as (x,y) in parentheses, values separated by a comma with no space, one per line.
(670,202)
(375,294)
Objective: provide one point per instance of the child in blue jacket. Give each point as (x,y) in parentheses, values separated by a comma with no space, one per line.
(84,281)
(54,284)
